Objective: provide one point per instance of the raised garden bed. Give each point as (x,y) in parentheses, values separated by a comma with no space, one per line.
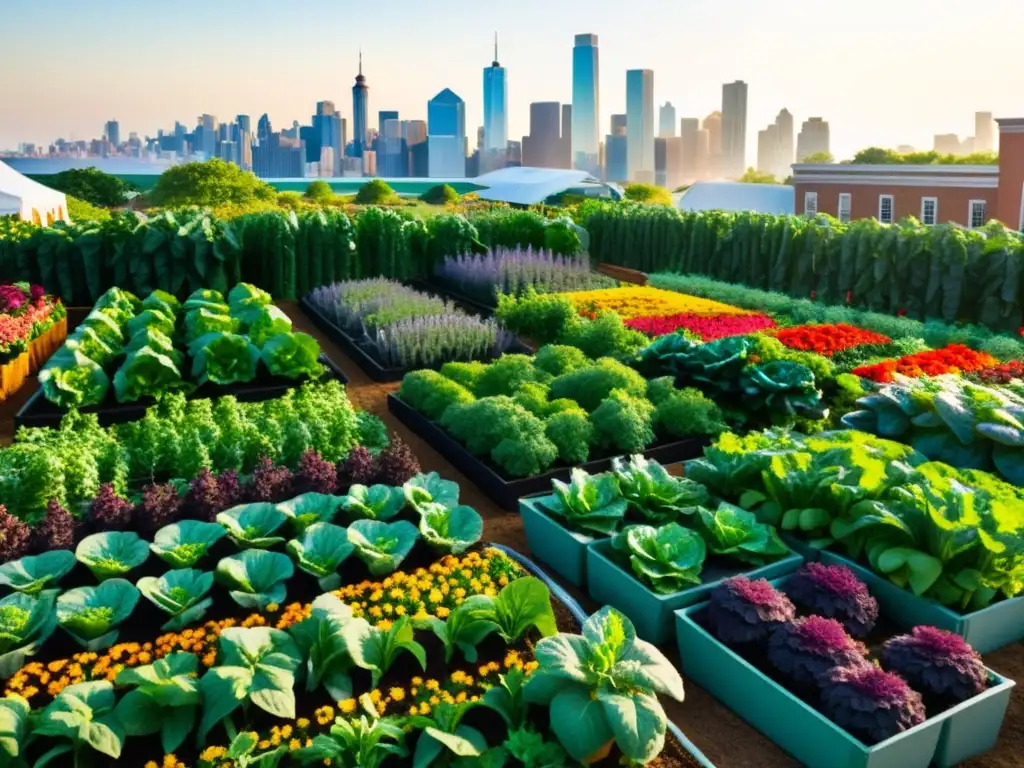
(40,412)
(452,292)
(505,491)
(364,358)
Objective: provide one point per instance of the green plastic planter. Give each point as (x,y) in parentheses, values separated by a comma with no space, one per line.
(987,630)
(799,729)
(972,727)
(609,583)
(564,551)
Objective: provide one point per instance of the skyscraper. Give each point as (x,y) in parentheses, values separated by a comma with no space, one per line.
(383,116)
(984,132)
(327,131)
(543,147)
(566,145)
(814,138)
(585,103)
(494,150)
(360,111)
(667,120)
(734,129)
(768,149)
(113,132)
(784,124)
(446,136)
(693,163)
(640,124)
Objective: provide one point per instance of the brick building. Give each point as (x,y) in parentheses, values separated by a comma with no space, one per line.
(966,194)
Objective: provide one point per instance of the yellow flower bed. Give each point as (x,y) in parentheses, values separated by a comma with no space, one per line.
(643,301)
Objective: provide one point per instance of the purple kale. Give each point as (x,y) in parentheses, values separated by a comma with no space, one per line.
(743,611)
(870,703)
(160,506)
(396,464)
(230,488)
(937,663)
(805,650)
(269,483)
(315,474)
(14,536)
(835,592)
(360,467)
(204,498)
(57,530)
(110,512)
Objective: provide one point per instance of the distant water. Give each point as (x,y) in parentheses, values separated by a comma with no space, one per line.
(40,166)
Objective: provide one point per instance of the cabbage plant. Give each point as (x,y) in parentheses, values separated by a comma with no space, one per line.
(182,545)
(83,718)
(253,525)
(609,680)
(376,502)
(204,320)
(14,727)
(165,699)
(257,664)
(667,559)
(245,296)
(33,573)
(653,494)
(450,530)
(292,355)
(223,358)
(321,639)
(430,488)
(265,323)
(382,546)
(205,297)
(145,372)
(310,508)
(320,551)
(180,593)
(589,504)
(92,615)
(256,577)
(376,649)
(733,532)
(113,553)
(26,621)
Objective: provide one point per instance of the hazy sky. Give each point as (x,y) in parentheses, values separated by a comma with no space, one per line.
(882,72)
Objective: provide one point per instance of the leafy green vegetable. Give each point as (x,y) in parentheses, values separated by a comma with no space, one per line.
(430,489)
(523,603)
(14,726)
(223,358)
(88,342)
(653,493)
(203,320)
(146,372)
(180,593)
(378,502)
(321,639)
(736,533)
(382,546)
(362,742)
(376,649)
(508,698)
(182,545)
(320,551)
(311,508)
(256,577)
(163,301)
(446,741)
(265,323)
(245,296)
(668,559)
(92,615)
(292,355)
(113,553)
(26,621)
(257,664)
(84,715)
(602,686)
(590,504)
(783,387)
(72,380)
(533,750)
(31,574)
(165,699)
(253,525)
(450,530)
(466,627)
(205,297)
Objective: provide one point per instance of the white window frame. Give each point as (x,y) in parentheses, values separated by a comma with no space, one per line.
(848,197)
(811,203)
(892,208)
(970,213)
(935,213)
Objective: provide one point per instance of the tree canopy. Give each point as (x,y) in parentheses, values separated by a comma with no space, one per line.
(753,176)
(819,157)
(79,210)
(648,193)
(209,183)
(90,185)
(376,192)
(441,194)
(881,156)
(319,190)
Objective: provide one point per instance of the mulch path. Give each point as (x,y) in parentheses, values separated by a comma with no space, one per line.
(723,737)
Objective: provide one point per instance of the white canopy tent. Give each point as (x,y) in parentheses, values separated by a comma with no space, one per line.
(30,200)
(528,186)
(737,196)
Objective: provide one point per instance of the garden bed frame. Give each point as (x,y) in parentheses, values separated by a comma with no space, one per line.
(506,492)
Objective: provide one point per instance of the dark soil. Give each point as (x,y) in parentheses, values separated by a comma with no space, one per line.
(725,739)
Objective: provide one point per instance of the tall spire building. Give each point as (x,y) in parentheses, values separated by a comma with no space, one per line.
(585,104)
(495,145)
(360,111)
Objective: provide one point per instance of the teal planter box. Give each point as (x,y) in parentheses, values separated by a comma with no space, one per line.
(612,584)
(801,547)
(987,630)
(799,729)
(973,726)
(564,551)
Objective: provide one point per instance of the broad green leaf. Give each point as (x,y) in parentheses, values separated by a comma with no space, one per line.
(113,553)
(31,574)
(182,545)
(579,723)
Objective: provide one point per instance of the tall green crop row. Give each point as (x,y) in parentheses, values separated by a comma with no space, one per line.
(944,271)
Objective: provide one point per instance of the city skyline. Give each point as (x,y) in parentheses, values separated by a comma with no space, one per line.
(283,72)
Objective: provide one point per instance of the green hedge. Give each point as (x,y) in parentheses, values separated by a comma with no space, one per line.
(943,272)
(283,252)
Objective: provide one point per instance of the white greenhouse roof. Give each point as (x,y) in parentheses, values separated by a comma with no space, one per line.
(738,196)
(529,186)
(30,200)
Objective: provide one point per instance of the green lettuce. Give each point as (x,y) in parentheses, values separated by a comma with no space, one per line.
(92,615)
(667,559)
(223,358)
(292,355)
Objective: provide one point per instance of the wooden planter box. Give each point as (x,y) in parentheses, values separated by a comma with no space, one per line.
(14,372)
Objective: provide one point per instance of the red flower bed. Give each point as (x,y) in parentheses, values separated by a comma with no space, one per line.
(956,358)
(708,328)
(1002,374)
(828,339)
